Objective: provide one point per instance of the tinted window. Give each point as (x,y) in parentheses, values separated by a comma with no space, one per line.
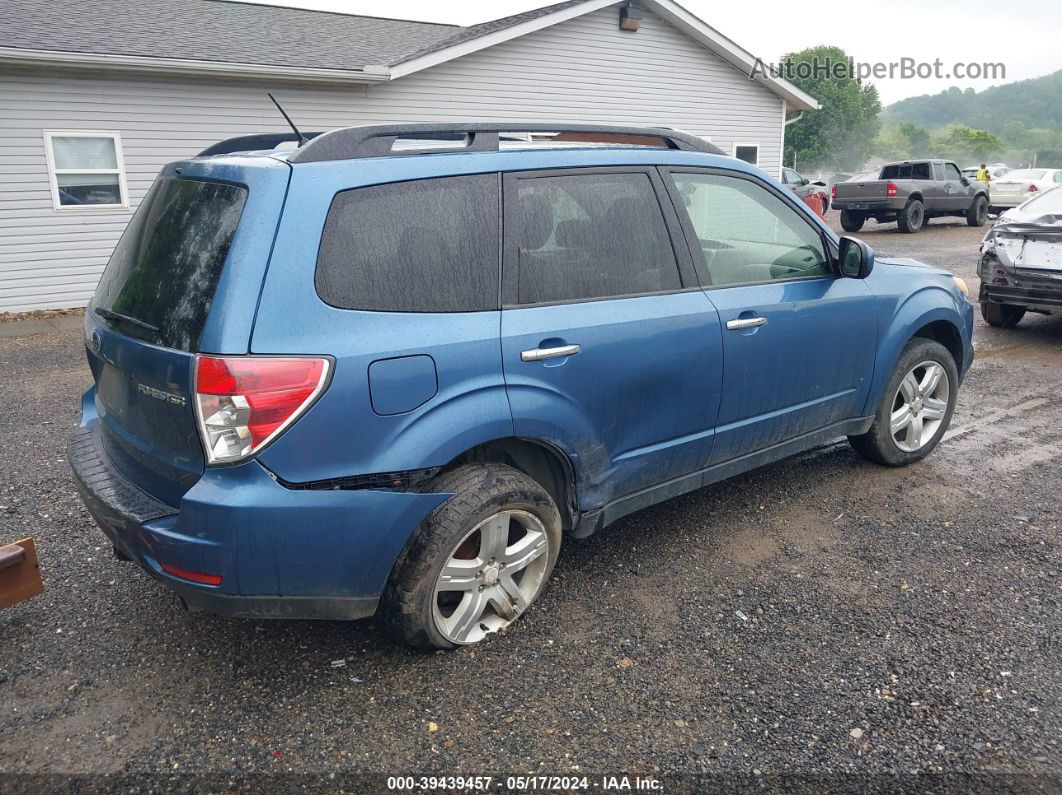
(906,171)
(160,280)
(590,236)
(746,233)
(951,171)
(425,246)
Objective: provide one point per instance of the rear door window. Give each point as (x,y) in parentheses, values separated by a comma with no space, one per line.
(587,236)
(160,281)
(431,245)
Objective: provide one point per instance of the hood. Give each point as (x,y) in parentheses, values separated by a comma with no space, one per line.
(907,262)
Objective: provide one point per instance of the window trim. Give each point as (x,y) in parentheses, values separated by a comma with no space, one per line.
(510,281)
(53,172)
(829,245)
(754,144)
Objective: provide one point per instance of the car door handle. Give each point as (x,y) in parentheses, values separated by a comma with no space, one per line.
(538,354)
(745,322)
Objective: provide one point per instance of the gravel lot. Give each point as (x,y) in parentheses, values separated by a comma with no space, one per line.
(820,617)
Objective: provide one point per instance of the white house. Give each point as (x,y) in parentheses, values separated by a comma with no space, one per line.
(96,97)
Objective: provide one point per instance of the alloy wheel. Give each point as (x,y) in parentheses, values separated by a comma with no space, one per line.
(919,406)
(491,577)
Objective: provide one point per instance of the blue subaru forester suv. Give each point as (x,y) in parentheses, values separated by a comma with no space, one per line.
(386,371)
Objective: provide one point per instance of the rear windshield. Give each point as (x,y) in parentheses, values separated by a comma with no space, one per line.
(906,171)
(161,278)
(1027,173)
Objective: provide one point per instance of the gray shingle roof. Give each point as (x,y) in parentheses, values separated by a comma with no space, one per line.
(235,32)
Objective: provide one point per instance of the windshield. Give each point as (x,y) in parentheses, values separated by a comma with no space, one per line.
(160,281)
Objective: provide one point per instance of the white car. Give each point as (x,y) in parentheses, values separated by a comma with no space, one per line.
(1021,261)
(1020,185)
(995,171)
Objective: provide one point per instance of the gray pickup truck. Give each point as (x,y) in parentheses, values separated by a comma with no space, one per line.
(909,193)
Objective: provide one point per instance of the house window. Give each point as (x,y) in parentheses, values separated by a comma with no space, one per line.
(750,153)
(85,169)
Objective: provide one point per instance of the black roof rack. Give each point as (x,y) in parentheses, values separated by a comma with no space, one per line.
(249,143)
(377,140)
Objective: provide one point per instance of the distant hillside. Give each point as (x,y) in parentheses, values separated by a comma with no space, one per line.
(1035,103)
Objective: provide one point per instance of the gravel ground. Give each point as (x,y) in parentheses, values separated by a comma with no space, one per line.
(822,617)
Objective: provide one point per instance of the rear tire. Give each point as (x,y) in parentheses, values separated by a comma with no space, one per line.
(852,221)
(911,217)
(898,439)
(977,212)
(1002,315)
(498,539)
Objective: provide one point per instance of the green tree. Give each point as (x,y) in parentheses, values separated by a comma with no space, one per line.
(959,142)
(917,139)
(841,133)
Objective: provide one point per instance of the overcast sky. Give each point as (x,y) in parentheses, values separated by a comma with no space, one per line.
(1024,35)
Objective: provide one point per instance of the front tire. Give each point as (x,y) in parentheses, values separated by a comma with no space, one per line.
(916,408)
(852,221)
(977,212)
(478,561)
(911,217)
(1002,315)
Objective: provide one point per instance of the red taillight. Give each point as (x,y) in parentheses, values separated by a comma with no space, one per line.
(191,576)
(1033,189)
(242,402)
(833,192)
(890,190)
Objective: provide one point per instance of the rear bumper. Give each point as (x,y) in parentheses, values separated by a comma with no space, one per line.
(869,206)
(1035,300)
(280,553)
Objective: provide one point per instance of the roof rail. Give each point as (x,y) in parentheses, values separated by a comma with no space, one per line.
(377,140)
(249,143)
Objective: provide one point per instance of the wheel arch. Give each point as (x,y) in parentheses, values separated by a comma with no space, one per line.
(947,334)
(915,195)
(542,461)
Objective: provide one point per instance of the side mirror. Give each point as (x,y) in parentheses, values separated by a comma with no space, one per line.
(856,258)
(804,180)
(964,181)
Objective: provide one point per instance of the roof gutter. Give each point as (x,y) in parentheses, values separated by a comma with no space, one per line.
(137,63)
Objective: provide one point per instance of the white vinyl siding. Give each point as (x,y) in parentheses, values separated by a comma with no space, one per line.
(585,69)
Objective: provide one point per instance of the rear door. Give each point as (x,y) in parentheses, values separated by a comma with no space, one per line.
(146,322)
(610,349)
(798,341)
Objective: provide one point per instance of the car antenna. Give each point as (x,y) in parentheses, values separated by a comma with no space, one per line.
(302,138)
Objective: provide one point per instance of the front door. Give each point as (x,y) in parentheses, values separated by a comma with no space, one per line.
(798,341)
(611,351)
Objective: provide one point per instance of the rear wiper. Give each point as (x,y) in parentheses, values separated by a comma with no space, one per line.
(108,314)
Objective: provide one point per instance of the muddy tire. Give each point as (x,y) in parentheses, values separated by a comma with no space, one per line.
(1002,315)
(916,407)
(977,212)
(852,221)
(477,562)
(912,217)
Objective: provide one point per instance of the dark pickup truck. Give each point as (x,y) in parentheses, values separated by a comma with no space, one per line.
(909,193)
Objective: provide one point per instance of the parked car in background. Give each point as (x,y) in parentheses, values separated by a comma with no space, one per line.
(910,192)
(1021,261)
(347,377)
(995,171)
(1022,184)
(813,194)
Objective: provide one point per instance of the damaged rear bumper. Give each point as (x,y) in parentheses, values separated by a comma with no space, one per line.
(279,552)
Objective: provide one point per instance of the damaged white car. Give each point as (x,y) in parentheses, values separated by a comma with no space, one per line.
(1021,262)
